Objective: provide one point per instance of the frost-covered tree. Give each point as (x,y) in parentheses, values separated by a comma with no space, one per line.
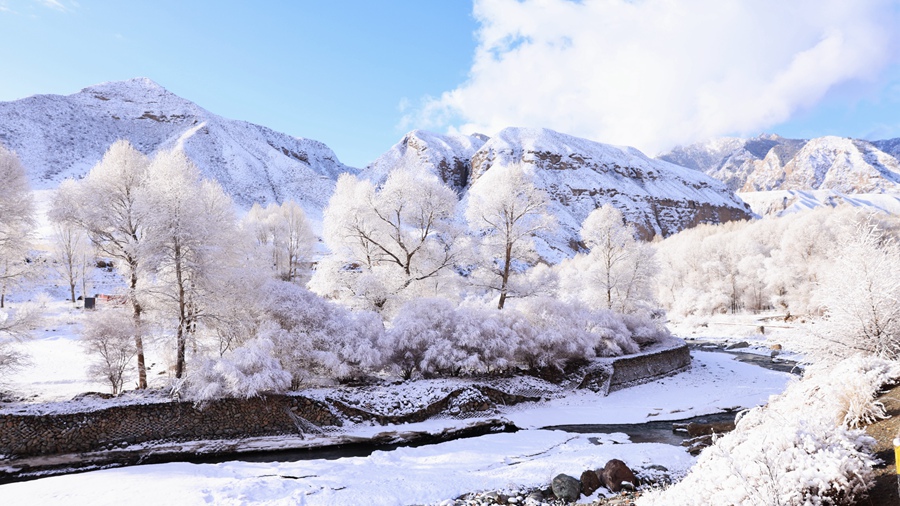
(189,235)
(388,244)
(105,204)
(284,233)
(16,325)
(16,222)
(108,336)
(506,210)
(860,293)
(617,273)
(73,256)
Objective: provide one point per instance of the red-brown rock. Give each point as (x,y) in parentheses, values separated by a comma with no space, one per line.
(615,474)
(590,482)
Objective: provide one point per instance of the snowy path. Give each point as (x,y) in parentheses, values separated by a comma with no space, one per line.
(430,474)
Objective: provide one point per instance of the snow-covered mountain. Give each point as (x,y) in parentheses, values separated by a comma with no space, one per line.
(64,136)
(782,202)
(770,162)
(447,156)
(579,175)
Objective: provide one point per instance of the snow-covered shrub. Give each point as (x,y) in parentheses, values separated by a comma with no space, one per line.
(566,332)
(645,329)
(433,337)
(845,392)
(800,449)
(313,337)
(248,371)
(423,338)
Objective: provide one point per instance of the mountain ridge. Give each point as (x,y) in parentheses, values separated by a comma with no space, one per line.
(579,175)
(769,162)
(60,136)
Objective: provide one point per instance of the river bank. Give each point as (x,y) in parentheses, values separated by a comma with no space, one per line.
(436,472)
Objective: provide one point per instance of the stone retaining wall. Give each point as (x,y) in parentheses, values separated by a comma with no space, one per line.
(31,435)
(674,357)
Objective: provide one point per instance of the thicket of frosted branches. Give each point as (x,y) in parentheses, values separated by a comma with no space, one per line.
(772,263)
(302,338)
(836,268)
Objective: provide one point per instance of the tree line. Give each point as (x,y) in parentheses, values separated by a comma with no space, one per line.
(396,254)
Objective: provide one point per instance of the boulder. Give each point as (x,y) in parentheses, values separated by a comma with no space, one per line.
(566,487)
(616,476)
(590,482)
(695,429)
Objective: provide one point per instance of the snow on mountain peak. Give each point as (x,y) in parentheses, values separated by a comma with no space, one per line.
(578,175)
(770,162)
(136,85)
(448,156)
(64,136)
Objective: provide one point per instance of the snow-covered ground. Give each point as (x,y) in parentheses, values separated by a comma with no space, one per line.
(764,333)
(428,474)
(423,475)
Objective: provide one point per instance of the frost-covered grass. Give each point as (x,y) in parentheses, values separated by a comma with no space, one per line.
(802,448)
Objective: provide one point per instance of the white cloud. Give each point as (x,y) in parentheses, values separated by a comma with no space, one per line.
(654,73)
(53,4)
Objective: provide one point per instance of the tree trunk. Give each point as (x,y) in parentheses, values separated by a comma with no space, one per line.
(504,278)
(182,314)
(138,340)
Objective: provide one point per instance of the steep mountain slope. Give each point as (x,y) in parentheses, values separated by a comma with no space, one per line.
(579,175)
(64,136)
(447,156)
(659,198)
(770,162)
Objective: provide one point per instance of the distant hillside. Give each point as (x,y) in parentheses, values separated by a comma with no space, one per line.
(659,198)
(781,202)
(769,162)
(64,136)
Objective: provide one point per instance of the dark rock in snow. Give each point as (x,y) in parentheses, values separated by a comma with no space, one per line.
(566,487)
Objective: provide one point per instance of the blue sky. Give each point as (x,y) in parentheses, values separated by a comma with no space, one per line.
(358,74)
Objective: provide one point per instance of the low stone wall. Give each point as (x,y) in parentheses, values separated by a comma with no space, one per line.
(666,358)
(673,357)
(32,435)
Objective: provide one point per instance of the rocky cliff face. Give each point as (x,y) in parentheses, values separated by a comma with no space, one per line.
(659,198)
(579,175)
(770,162)
(447,156)
(64,136)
